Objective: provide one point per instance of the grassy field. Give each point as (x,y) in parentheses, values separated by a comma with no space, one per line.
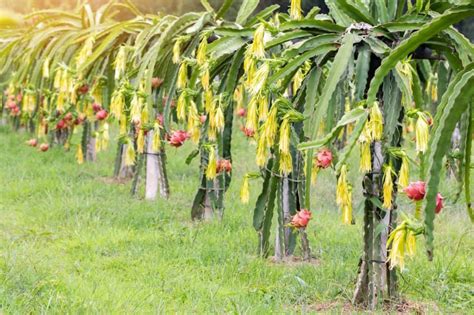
(73,241)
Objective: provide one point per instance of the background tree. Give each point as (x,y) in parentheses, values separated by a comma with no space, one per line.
(182,6)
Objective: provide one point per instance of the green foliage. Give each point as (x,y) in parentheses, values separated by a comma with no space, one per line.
(359,75)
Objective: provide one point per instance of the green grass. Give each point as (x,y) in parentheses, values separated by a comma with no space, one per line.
(73,242)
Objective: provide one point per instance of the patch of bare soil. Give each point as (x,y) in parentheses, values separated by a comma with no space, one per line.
(411,307)
(294,261)
(114,180)
(330,307)
(402,307)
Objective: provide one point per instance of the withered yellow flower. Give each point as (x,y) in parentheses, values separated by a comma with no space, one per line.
(208,101)
(156,140)
(298,80)
(259,79)
(117,104)
(212,118)
(376,122)
(387,187)
(205,77)
(286,163)
(397,252)
(252,118)
(141,141)
(347,210)
(181,106)
(136,109)
(86,51)
(365,164)
(79,154)
(193,122)
(60,102)
(421,133)
(244,190)
(250,68)
(257,49)
(219,119)
(64,82)
(342,190)
(130,154)
(201,55)
(120,62)
(212,133)
(182,76)
(239,96)
(285,129)
(401,243)
(97,92)
(145,114)
(262,107)
(270,127)
(295,10)
(261,157)
(211,170)
(434,92)
(403,179)
(410,243)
